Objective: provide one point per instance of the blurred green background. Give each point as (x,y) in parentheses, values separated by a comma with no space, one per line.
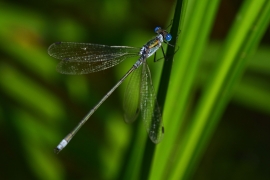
(39,106)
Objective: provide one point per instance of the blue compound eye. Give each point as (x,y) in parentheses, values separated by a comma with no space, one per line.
(168,37)
(157,29)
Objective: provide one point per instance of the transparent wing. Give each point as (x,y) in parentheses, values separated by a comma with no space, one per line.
(86,67)
(132,96)
(150,110)
(84,58)
(71,51)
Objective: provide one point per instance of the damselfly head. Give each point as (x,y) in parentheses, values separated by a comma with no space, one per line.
(167,36)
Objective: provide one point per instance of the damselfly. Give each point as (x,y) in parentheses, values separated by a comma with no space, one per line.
(84,58)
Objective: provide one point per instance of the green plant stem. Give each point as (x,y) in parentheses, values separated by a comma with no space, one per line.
(241,42)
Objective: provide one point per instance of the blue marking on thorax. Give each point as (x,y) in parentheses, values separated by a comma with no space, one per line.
(149,49)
